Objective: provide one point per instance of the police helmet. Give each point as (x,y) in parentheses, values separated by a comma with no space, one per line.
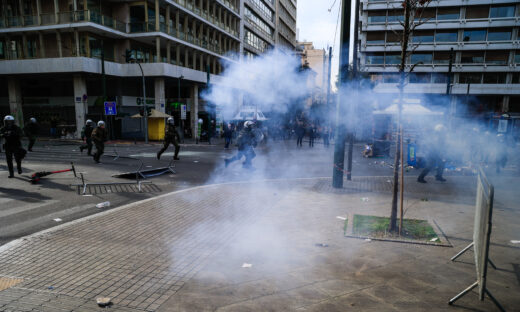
(440,128)
(171,121)
(101,123)
(249,124)
(33,120)
(88,122)
(8,118)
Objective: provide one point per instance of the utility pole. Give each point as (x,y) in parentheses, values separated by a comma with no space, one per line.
(328,78)
(179,101)
(339,144)
(104,83)
(145,111)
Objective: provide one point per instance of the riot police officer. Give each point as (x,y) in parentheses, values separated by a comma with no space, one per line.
(170,136)
(31,131)
(435,150)
(12,136)
(246,141)
(86,134)
(99,137)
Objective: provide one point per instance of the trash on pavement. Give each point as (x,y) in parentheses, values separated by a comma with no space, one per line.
(388,181)
(341,218)
(247,265)
(365,199)
(434,239)
(424,199)
(368,240)
(103,205)
(58,220)
(321,245)
(50,287)
(515,241)
(88,195)
(195,161)
(103,301)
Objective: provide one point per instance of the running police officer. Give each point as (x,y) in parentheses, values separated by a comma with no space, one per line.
(12,136)
(99,137)
(86,134)
(31,132)
(170,136)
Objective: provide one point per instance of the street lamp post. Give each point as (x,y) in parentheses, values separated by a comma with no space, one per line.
(145,110)
(179,103)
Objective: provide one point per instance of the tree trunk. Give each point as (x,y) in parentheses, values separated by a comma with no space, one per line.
(392,227)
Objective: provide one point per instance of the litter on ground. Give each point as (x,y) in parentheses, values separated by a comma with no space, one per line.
(321,245)
(58,220)
(341,218)
(247,265)
(365,199)
(103,301)
(515,241)
(434,239)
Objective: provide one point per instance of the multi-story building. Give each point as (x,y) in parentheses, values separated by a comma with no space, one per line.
(484,36)
(50,56)
(318,61)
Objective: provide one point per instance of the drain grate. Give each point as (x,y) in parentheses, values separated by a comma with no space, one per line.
(8,282)
(107,189)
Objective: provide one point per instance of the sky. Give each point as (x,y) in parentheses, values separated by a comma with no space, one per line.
(317,24)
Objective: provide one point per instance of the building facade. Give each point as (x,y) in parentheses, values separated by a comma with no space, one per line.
(318,61)
(484,36)
(51,56)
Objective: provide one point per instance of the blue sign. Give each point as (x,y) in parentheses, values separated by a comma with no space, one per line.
(110,108)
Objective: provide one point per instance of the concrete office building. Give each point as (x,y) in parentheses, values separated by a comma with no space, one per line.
(50,56)
(485,39)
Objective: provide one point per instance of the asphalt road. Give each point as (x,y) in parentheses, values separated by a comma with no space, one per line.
(26,208)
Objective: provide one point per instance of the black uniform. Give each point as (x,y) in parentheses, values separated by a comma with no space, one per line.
(12,136)
(246,142)
(86,133)
(171,136)
(99,137)
(31,132)
(434,157)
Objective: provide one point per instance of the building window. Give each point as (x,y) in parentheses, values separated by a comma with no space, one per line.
(424,58)
(377,16)
(499,34)
(255,41)
(474,35)
(258,22)
(375,37)
(472,57)
(420,78)
(497,57)
(376,78)
(477,12)
(495,78)
(393,58)
(439,78)
(425,15)
(448,13)
(502,11)
(2,50)
(392,37)
(422,36)
(516,78)
(446,36)
(391,78)
(375,59)
(441,57)
(395,16)
(470,78)
(517,57)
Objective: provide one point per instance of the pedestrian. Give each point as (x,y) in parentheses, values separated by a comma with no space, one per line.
(171,136)
(312,134)
(435,149)
(31,132)
(86,135)
(500,153)
(247,140)
(300,132)
(12,135)
(228,134)
(326,135)
(54,126)
(99,137)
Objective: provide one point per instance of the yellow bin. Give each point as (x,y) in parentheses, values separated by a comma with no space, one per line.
(156,124)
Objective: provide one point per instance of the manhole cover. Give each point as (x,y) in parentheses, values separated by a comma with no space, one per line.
(8,282)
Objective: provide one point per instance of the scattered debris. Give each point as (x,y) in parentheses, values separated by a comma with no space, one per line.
(321,245)
(103,301)
(388,181)
(195,161)
(341,218)
(88,195)
(368,240)
(148,166)
(247,265)
(515,241)
(58,220)
(365,199)
(424,199)
(434,239)
(103,205)
(50,287)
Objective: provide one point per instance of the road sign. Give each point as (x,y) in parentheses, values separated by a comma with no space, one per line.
(183,111)
(110,108)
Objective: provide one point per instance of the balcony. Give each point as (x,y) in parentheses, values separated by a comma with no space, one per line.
(63,18)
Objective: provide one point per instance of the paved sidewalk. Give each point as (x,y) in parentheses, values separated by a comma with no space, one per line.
(184,251)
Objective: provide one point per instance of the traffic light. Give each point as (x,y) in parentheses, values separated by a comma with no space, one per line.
(128,56)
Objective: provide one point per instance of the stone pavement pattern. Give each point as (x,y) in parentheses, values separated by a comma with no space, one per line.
(184,252)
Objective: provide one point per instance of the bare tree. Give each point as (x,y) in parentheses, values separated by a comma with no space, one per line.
(413,17)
